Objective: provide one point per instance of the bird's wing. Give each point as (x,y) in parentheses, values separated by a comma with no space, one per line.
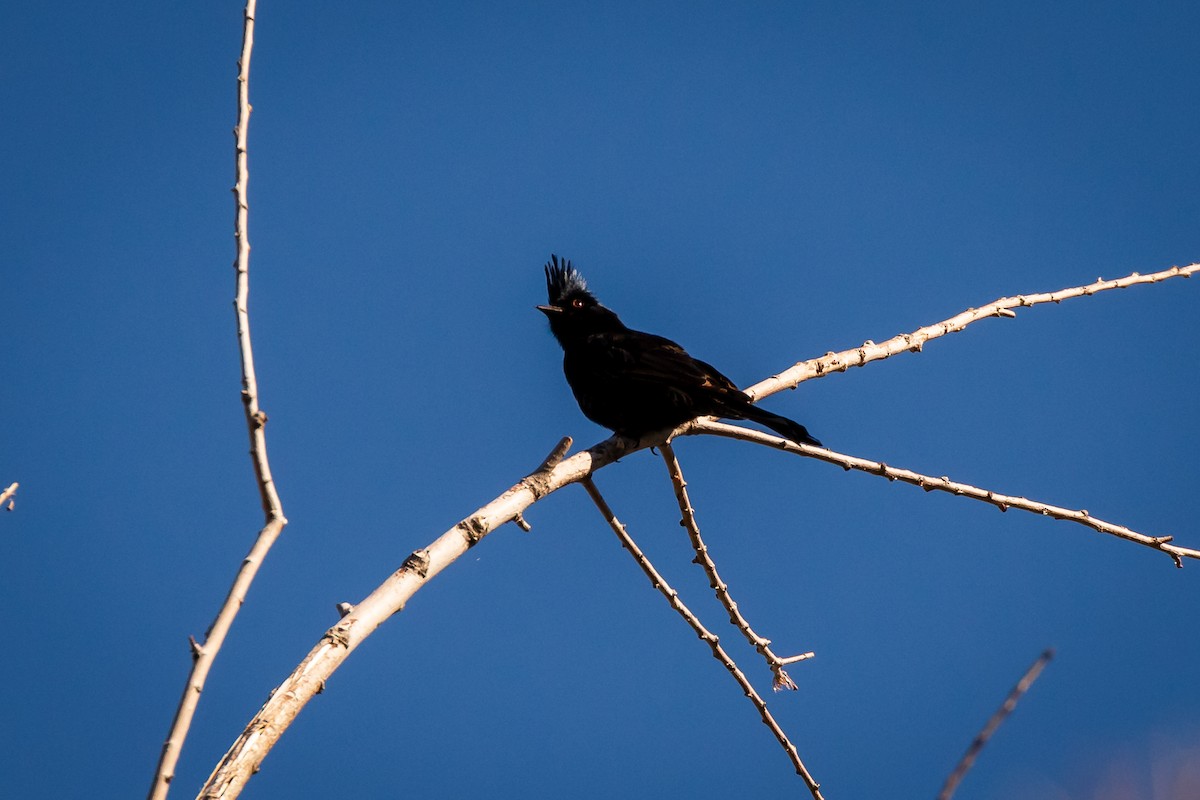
(654,359)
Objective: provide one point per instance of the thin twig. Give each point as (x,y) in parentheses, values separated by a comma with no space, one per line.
(7,495)
(968,759)
(204,654)
(942,484)
(913,342)
(711,639)
(763,646)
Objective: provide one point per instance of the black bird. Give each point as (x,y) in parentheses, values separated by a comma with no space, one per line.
(635,383)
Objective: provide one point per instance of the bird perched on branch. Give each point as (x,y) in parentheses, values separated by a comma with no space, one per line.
(635,383)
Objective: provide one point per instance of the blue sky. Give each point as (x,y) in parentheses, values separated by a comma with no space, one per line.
(762,183)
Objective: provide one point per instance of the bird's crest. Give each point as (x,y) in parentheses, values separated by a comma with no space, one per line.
(562,279)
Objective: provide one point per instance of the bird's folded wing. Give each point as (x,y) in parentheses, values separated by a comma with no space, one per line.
(654,359)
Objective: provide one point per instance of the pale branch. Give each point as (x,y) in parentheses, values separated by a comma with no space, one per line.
(358,621)
(711,639)
(942,484)
(1006,708)
(782,680)
(7,495)
(204,654)
(246,755)
(913,342)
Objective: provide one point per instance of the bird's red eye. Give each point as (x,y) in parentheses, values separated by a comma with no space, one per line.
(577,302)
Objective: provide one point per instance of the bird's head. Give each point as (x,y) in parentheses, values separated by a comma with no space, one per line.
(573,311)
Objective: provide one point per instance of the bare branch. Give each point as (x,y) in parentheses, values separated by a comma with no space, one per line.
(763,646)
(1006,708)
(709,638)
(359,621)
(7,495)
(204,654)
(943,484)
(913,342)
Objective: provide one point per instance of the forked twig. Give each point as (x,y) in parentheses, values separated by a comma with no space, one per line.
(943,484)
(203,654)
(1006,708)
(763,646)
(711,639)
(913,342)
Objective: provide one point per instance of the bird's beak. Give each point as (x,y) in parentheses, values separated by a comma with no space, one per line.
(549,311)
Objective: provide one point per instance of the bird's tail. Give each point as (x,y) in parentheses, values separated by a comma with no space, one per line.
(785,427)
